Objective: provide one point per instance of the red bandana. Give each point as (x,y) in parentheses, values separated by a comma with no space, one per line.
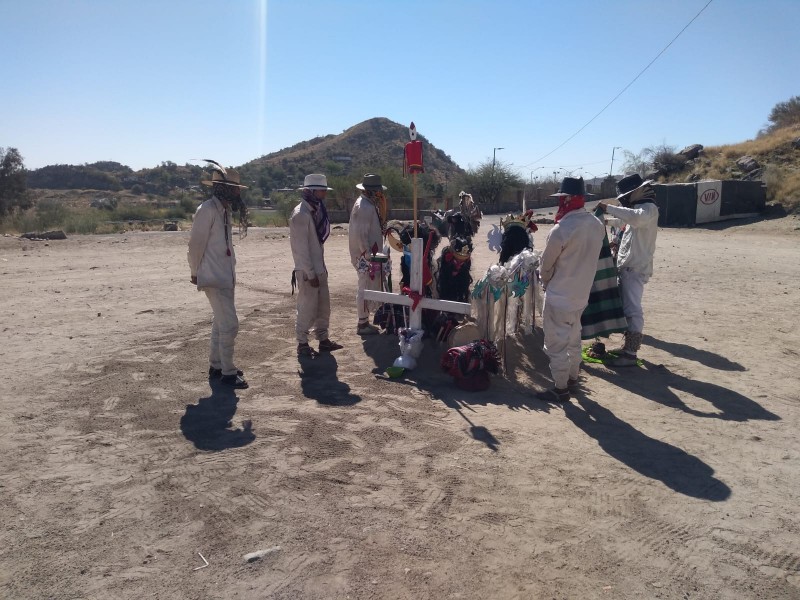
(567,204)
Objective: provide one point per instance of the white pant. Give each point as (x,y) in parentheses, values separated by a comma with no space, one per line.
(224,328)
(313,308)
(631,286)
(365,283)
(562,342)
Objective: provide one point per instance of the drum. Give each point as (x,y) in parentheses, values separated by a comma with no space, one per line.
(393,239)
(463,335)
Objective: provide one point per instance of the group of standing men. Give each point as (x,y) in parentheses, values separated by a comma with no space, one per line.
(212,263)
(309,227)
(567,268)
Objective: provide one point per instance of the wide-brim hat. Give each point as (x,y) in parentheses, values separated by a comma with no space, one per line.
(315,181)
(631,183)
(572,186)
(371,183)
(229,177)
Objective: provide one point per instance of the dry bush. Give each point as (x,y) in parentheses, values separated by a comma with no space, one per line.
(783,186)
(760,146)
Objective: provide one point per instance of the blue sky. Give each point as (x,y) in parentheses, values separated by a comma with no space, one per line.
(146,81)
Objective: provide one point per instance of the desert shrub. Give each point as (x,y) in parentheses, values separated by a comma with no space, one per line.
(189,204)
(664,159)
(783,186)
(264,219)
(134,212)
(83,222)
(49,215)
(285,203)
(174,213)
(20,222)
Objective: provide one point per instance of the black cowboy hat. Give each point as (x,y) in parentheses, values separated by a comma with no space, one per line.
(630,184)
(572,186)
(371,183)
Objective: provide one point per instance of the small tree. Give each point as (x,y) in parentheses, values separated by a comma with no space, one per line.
(636,163)
(488,181)
(13,182)
(664,159)
(785,114)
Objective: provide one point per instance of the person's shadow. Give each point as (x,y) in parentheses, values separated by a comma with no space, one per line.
(319,381)
(207,424)
(675,468)
(709,359)
(656,383)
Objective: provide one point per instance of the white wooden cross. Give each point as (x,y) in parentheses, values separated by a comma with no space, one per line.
(463,308)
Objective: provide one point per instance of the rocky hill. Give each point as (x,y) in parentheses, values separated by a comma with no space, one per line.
(375,145)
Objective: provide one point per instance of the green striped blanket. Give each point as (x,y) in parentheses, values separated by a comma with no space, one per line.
(603,315)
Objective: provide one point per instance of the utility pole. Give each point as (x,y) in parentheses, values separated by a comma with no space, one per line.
(611,170)
(494,160)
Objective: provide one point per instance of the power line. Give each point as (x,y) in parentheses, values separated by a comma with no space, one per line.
(626,87)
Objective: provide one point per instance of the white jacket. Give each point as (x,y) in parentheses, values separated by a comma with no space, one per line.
(307,251)
(208,247)
(364,230)
(569,262)
(638,243)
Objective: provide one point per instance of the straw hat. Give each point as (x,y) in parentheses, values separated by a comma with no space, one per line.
(315,181)
(228,177)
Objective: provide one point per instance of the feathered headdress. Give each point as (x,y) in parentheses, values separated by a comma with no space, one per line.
(524,220)
(220,174)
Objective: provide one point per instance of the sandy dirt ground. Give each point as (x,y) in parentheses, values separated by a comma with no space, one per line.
(121,464)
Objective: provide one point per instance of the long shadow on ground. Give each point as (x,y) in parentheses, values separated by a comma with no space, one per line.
(675,468)
(207,424)
(319,381)
(656,383)
(704,357)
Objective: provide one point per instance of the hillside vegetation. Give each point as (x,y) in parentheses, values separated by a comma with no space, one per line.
(373,146)
(776,154)
(773,158)
(109,196)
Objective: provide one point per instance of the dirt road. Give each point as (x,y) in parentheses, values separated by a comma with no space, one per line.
(121,465)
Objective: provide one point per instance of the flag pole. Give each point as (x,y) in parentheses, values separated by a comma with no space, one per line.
(414,187)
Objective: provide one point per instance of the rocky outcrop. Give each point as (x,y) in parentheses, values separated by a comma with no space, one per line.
(45,235)
(747,164)
(691,152)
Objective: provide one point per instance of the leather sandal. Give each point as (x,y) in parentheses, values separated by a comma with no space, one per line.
(329,346)
(306,351)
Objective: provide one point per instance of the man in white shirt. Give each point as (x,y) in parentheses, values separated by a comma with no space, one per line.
(367,223)
(567,268)
(309,227)
(634,257)
(212,262)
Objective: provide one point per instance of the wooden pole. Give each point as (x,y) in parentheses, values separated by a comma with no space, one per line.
(414,186)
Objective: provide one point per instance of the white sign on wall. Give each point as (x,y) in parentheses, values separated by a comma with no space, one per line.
(709,201)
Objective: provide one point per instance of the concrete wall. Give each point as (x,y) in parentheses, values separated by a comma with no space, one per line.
(687,204)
